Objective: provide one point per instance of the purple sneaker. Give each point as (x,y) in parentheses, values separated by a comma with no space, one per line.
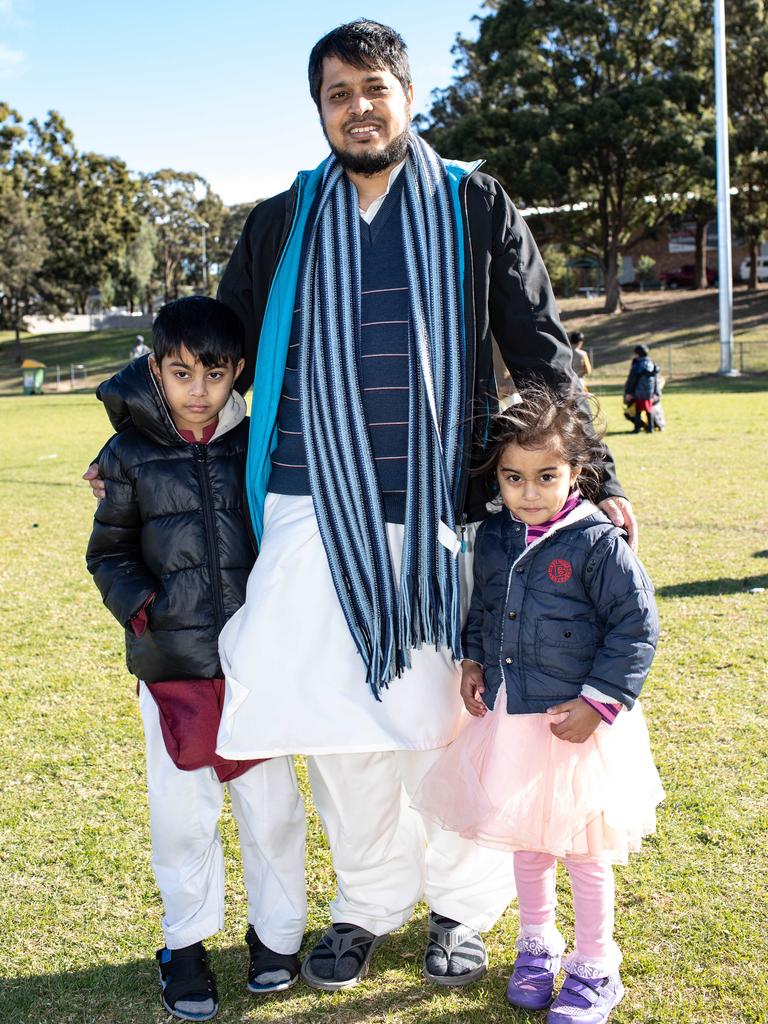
(584,1000)
(533,977)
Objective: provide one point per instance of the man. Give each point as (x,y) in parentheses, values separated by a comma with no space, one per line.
(370,293)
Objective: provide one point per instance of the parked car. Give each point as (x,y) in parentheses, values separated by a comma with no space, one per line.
(684,277)
(762,269)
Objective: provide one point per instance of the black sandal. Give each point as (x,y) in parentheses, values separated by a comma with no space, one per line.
(281,970)
(452,937)
(340,941)
(189,987)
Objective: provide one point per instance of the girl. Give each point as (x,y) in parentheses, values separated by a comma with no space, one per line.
(560,637)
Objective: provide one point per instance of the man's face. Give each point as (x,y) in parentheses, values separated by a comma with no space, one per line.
(366,116)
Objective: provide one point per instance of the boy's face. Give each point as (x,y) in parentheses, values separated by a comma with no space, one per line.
(195,393)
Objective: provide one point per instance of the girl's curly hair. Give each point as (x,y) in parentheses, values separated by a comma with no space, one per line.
(570,421)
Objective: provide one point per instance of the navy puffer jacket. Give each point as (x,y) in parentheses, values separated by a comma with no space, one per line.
(571,610)
(172,523)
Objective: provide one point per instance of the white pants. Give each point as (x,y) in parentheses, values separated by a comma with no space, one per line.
(187,855)
(387,857)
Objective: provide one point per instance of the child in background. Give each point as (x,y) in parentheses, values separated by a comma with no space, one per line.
(555,763)
(170,553)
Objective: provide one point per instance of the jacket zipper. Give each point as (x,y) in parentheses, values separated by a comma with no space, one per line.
(201,461)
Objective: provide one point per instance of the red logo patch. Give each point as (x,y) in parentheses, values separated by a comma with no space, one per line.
(560,571)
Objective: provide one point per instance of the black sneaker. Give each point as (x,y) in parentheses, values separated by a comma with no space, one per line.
(269,971)
(189,987)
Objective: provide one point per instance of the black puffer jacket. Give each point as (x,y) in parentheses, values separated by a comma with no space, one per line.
(171,523)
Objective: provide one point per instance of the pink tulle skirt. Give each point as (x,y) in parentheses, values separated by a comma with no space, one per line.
(507,782)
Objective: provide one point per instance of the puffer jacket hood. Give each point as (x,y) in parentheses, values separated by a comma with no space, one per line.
(134,398)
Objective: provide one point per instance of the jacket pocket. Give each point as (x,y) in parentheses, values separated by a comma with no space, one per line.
(565,649)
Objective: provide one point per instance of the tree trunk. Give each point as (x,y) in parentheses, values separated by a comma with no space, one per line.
(752,283)
(16,311)
(700,271)
(613,303)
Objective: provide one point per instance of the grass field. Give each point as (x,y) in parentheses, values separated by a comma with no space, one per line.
(79,915)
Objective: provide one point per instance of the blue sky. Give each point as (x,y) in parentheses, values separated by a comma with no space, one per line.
(218,89)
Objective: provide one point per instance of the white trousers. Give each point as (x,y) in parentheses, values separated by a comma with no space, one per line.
(187,855)
(387,857)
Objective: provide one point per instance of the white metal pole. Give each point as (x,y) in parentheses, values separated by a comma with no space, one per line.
(724,251)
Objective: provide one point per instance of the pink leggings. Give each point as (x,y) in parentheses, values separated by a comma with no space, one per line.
(593,896)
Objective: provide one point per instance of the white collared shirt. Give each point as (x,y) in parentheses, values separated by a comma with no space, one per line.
(377,203)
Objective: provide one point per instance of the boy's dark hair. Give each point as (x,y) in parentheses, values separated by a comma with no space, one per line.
(640,350)
(363,44)
(208,329)
(575,337)
(571,420)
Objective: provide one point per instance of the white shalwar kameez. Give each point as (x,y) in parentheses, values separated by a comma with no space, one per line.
(295,684)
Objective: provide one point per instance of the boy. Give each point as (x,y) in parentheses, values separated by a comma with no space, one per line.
(171,554)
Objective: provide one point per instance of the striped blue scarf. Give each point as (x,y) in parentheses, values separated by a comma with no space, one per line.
(386,618)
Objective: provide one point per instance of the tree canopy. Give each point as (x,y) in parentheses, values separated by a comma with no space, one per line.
(603,107)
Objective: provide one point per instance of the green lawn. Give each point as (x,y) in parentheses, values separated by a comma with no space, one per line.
(79,915)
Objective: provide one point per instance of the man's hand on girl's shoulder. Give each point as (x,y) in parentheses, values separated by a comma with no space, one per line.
(619,511)
(472,688)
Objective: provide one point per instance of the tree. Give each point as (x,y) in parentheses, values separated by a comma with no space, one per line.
(23,249)
(133,283)
(581,103)
(747,37)
(178,204)
(87,202)
(229,232)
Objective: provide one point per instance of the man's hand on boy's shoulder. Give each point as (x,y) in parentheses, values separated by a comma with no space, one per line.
(91,475)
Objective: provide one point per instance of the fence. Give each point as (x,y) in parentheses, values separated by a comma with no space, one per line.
(684,359)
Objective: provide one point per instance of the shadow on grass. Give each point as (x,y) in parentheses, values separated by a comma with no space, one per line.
(128,993)
(713,588)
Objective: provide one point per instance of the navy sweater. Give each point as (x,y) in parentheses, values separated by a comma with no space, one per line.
(382,367)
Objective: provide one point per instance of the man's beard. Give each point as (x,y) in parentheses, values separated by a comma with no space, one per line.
(376,162)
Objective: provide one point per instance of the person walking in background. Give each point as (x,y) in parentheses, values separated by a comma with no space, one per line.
(555,763)
(140,348)
(581,363)
(642,388)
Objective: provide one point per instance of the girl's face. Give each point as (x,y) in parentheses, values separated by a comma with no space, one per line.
(534,482)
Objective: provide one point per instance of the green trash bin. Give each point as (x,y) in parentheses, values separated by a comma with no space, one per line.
(32,377)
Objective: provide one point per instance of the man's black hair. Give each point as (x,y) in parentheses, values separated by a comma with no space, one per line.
(363,44)
(210,331)
(640,350)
